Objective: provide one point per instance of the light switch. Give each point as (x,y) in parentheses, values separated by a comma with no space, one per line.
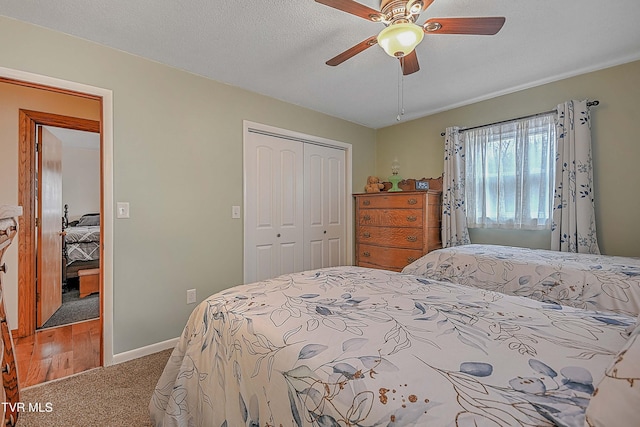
(235,212)
(122,209)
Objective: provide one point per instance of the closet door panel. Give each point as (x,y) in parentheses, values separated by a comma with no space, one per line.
(324,206)
(274,207)
(316,253)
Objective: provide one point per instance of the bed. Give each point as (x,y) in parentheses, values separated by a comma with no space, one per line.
(81,244)
(595,282)
(352,346)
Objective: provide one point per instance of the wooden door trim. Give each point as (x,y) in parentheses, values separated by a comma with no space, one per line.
(105,97)
(28,120)
(48,88)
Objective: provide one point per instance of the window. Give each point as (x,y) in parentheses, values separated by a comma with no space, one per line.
(510,174)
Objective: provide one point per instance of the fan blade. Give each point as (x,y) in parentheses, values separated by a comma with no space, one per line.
(427,3)
(354,8)
(486,26)
(409,63)
(339,59)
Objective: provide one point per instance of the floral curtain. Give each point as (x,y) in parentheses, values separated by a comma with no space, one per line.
(454,217)
(574,225)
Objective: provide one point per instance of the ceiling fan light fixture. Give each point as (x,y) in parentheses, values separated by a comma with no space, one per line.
(400,39)
(414,7)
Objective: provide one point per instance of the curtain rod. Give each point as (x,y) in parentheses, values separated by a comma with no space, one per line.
(589,104)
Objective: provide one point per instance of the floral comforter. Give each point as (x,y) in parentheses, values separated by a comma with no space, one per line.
(353,346)
(594,282)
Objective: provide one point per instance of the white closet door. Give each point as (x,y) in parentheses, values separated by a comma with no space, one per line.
(274,207)
(324,207)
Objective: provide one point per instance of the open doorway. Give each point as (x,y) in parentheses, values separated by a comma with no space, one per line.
(34,92)
(40,188)
(55,352)
(73,190)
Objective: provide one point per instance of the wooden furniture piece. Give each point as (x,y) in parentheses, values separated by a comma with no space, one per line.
(89,281)
(395,229)
(10,392)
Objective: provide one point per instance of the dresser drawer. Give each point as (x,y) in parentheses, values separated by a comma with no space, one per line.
(398,237)
(395,229)
(392,201)
(391,217)
(385,257)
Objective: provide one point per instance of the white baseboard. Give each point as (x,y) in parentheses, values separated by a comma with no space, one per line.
(143,351)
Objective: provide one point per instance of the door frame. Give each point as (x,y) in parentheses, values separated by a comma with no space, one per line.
(106,209)
(27,195)
(249,126)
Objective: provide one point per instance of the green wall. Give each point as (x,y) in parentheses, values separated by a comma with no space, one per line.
(178,162)
(616,149)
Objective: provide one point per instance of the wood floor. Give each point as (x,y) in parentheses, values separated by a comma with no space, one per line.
(58,352)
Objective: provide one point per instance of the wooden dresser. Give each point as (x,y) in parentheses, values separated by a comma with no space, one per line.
(395,229)
(10,394)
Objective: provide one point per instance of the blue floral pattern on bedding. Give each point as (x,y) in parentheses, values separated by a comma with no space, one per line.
(351,346)
(593,282)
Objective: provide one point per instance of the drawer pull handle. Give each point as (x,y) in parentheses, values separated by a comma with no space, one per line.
(367,217)
(3,268)
(8,230)
(411,259)
(412,201)
(366,235)
(412,238)
(412,218)
(366,202)
(367,254)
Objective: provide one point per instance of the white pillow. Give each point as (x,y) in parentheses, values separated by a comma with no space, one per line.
(616,399)
(89,220)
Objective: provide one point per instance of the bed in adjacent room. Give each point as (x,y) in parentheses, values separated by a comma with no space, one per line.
(352,346)
(594,282)
(81,244)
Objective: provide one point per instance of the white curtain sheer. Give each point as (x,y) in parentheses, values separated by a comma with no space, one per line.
(510,169)
(574,226)
(454,217)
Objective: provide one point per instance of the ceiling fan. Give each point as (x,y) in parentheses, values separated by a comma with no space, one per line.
(401,34)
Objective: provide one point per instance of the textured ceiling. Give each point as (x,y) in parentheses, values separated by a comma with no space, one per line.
(279,47)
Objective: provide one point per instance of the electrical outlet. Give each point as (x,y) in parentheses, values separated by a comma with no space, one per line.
(191,296)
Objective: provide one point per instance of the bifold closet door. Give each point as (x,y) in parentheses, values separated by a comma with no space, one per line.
(274,228)
(324,207)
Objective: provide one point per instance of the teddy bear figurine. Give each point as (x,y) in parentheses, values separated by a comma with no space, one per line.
(373,185)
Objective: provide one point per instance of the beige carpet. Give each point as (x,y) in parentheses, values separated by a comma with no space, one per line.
(115,396)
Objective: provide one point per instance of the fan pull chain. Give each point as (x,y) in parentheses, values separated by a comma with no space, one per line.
(400,90)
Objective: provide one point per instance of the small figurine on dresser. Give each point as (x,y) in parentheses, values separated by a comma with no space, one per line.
(373,185)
